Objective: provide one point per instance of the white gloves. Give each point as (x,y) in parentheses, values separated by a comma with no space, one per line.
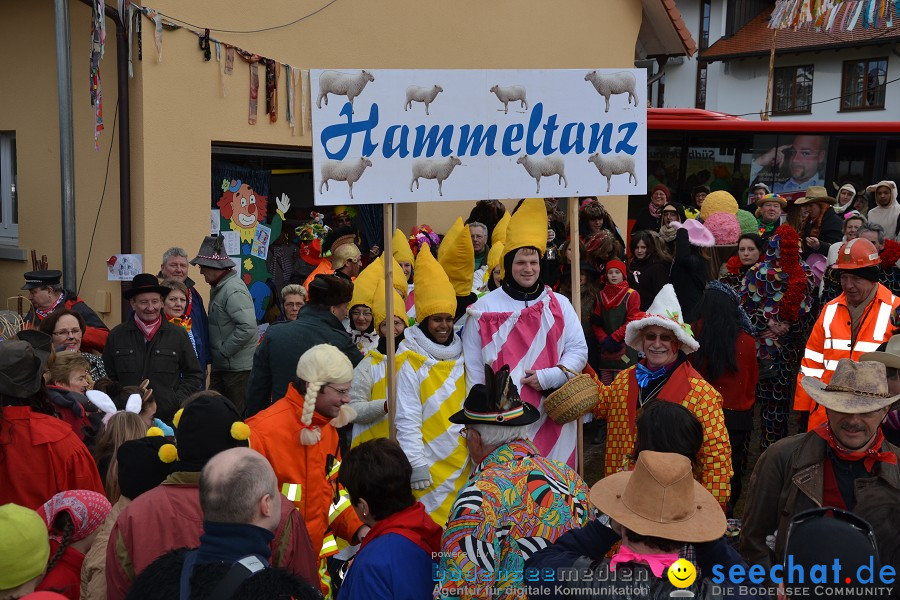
(283,203)
(421,478)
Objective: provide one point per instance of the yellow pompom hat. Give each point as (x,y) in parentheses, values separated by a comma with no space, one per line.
(717,202)
(434,292)
(499,234)
(402,251)
(379,310)
(457,256)
(528,227)
(365,282)
(451,235)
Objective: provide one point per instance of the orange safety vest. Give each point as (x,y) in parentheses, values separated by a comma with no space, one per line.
(831,341)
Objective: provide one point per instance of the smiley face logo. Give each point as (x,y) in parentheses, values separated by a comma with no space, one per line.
(682,573)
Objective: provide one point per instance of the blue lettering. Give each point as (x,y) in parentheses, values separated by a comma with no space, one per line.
(566,143)
(887,574)
(471,575)
(819,574)
(598,136)
(623,145)
(478,139)
(736,574)
(870,568)
(513,133)
(346,130)
(390,148)
(757,574)
(532,574)
(773,577)
(718,575)
(548,574)
(534,121)
(794,569)
(437,574)
(549,127)
(434,136)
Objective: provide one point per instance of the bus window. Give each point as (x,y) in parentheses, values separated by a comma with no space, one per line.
(719,162)
(855,162)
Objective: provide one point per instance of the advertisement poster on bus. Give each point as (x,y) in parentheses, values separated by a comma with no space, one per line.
(789,163)
(383,136)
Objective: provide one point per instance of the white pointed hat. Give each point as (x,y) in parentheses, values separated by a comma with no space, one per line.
(664,312)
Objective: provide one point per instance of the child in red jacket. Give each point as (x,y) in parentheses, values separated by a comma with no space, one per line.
(617,305)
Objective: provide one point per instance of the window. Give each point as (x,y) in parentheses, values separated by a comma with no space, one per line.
(9,204)
(863,84)
(700,92)
(793,90)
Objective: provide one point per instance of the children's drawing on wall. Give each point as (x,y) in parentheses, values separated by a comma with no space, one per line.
(243,207)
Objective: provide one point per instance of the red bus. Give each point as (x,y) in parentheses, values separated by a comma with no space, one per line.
(689,147)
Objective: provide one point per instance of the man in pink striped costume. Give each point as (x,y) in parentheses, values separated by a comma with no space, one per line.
(527,326)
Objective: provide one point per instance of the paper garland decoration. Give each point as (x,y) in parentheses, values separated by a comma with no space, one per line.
(833,15)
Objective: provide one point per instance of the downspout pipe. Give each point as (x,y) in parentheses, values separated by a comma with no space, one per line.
(66,143)
(124,133)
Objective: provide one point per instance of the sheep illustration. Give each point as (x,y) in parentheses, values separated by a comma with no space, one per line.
(342,84)
(614,83)
(617,164)
(415,93)
(510,93)
(433,168)
(347,170)
(544,167)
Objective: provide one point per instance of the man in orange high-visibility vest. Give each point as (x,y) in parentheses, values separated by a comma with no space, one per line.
(857,321)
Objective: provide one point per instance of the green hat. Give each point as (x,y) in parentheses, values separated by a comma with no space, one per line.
(24,546)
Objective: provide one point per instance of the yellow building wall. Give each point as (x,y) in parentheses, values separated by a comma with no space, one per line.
(28,107)
(178,108)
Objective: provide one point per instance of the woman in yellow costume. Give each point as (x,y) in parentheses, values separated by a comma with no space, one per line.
(431,386)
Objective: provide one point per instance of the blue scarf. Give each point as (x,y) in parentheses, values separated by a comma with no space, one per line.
(228,542)
(645,375)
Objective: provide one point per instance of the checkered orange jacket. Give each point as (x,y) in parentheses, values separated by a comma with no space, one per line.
(618,407)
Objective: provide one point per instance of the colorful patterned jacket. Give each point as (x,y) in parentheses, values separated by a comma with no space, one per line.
(618,407)
(515,503)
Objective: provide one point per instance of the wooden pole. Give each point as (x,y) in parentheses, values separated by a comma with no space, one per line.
(388,259)
(576,304)
(770,83)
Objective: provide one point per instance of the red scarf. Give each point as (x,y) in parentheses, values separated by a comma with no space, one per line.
(414,524)
(869,457)
(43,314)
(734,265)
(613,293)
(148,329)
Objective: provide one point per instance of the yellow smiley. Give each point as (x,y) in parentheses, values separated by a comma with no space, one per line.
(682,573)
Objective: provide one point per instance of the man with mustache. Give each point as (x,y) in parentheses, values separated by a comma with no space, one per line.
(835,464)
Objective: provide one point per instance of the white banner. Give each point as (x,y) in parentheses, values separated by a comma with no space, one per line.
(383,136)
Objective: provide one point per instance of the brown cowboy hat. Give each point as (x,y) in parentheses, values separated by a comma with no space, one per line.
(661,498)
(855,387)
(890,356)
(815,193)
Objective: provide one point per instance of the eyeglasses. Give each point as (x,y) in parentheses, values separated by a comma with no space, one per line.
(338,391)
(67,332)
(663,337)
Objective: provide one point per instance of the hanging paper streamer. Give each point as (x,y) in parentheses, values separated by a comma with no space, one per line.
(272,89)
(306,100)
(793,14)
(293,74)
(254,92)
(98,43)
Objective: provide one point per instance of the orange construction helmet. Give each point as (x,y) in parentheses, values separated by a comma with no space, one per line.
(856,254)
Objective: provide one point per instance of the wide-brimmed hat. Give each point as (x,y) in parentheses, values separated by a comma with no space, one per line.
(855,387)
(21,369)
(145,283)
(212,254)
(772,198)
(665,311)
(41,343)
(495,402)
(815,193)
(698,234)
(890,356)
(661,498)
(36,279)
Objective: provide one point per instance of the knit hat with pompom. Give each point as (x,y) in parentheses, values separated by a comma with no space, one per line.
(724,227)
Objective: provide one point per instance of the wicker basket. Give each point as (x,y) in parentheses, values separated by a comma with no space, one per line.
(576,397)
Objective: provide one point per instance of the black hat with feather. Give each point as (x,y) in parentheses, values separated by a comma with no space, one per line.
(495,402)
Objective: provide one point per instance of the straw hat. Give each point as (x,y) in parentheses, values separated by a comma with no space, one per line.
(664,312)
(661,498)
(815,193)
(855,388)
(890,357)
